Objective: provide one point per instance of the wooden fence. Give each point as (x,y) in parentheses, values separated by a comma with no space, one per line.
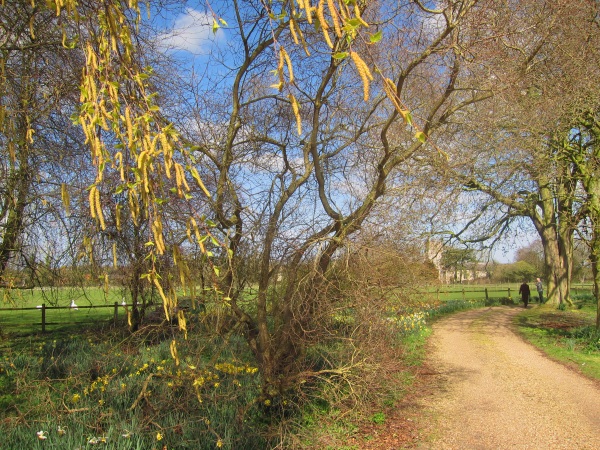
(498,292)
(580,289)
(448,292)
(43,309)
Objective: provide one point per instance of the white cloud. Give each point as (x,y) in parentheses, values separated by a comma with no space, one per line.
(191,32)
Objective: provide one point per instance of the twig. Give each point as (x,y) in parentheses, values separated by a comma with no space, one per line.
(142,393)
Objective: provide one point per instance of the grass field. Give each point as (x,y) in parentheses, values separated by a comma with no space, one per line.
(96,306)
(20,312)
(89,383)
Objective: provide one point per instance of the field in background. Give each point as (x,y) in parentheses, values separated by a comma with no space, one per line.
(20,312)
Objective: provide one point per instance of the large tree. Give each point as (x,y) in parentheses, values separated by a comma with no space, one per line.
(518,144)
(39,148)
(290,190)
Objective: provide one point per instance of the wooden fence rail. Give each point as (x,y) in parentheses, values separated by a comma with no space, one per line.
(508,291)
(43,309)
(462,292)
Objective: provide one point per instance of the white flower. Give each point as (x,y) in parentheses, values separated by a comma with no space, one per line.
(42,435)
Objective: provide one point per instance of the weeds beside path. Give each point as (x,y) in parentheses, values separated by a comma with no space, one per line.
(496,391)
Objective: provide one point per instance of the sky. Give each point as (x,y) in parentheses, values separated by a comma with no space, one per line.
(189,34)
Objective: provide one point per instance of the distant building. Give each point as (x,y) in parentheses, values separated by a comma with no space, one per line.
(464,271)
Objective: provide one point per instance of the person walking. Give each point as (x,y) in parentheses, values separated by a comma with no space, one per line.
(525,293)
(540,290)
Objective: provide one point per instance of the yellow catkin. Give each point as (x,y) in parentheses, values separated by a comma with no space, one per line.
(357,14)
(164,143)
(92,202)
(182,274)
(390,90)
(103,115)
(118,217)
(293,30)
(99,210)
(142,159)
(93,88)
(113,93)
(152,145)
(197,233)
(334,18)
(199,182)
(168,166)
(157,230)
(119,162)
(174,354)
(31,26)
(161,240)
(164,298)
(182,322)
(323,22)
(178,180)
(296,109)
(280,65)
(344,11)
(185,183)
(29,135)
(363,72)
(114,252)
(308,9)
(64,194)
(129,125)
(134,207)
(180,177)
(188,231)
(288,63)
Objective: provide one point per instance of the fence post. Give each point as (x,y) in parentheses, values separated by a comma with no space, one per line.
(509,294)
(438,294)
(116,316)
(487,297)
(463,293)
(43,317)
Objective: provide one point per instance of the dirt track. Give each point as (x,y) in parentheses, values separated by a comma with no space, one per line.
(498,392)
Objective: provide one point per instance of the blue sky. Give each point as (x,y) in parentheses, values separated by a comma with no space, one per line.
(190,32)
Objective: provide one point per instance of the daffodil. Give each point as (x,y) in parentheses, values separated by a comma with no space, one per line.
(42,436)
(60,430)
(159,436)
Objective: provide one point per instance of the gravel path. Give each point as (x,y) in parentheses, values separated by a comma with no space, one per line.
(498,392)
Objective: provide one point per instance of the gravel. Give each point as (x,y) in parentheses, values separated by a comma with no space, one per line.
(498,392)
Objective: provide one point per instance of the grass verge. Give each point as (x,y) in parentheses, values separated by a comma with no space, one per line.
(569,336)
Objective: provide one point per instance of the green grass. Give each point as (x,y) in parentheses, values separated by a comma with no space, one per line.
(107,385)
(568,336)
(95,382)
(94,306)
